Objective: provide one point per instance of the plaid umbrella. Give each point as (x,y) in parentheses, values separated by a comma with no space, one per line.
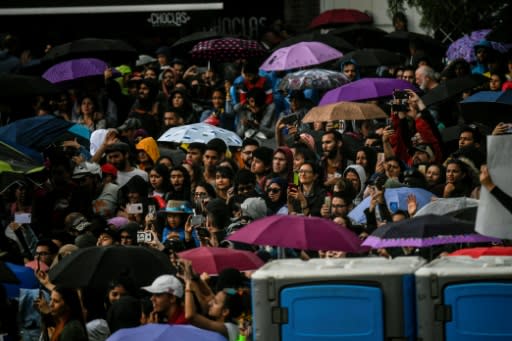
(227,49)
(464,47)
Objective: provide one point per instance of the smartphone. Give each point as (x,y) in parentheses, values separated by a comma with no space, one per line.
(144,236)
(422,169)
(293,187)
(295,178)
(151,209)
(380,157)
(22,218)
(134,208)
(327,201)
(197,220)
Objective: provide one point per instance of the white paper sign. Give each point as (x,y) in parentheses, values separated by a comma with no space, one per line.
(493,219)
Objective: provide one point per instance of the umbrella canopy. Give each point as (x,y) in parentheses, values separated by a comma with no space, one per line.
(164,332)
(41,131)
(453,87)
(464,47)
(400,41)
(365,89)
(74,69)
(442,206)
(7,275)
(361,36)
(300,55)
(340,16)
(312,79)
(392,195)
(373,57)
(299,232)
(112,50)
(477,252)
(227,49)
(488,107)
(424,231)
(194,38)
(344,111)
(213,260)
(96,266)
(333,41)
(14,85)
(200,132)
(16,162)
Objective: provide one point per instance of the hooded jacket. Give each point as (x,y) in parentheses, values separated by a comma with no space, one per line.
(150,146)
(362,179)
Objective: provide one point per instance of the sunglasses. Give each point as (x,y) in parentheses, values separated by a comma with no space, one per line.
(273,190)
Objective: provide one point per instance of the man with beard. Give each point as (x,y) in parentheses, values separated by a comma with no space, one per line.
(425,78)
(102,196)
(248,147)
(147,108)
(333,162)
(118,154)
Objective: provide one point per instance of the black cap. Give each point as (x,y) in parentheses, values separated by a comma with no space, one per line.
(118,147)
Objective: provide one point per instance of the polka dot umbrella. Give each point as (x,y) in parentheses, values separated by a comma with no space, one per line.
(227,49)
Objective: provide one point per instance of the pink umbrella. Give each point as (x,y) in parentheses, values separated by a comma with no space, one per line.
(299,232)
(300,55)
(213,260)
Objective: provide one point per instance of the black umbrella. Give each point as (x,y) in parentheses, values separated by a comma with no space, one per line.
(400,40)
(328,39)
(7,275)
(488,107)
(362,36)
(453,87)
(96,266)
(187,42)
(13,85)
(110,50)
(373,57)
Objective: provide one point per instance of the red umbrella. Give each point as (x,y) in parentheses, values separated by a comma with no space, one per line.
(299,232)
(340,16)
(476,252)
(213,260)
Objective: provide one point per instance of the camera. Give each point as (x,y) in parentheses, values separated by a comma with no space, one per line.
(134,208)
(197,220)
(291,119)
(399,102)
(174,245)
(144,236)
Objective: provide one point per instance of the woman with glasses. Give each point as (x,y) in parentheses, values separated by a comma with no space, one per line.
(308,197)
(275,196)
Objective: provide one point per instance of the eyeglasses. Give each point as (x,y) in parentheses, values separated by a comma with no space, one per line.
(338,206)
(305,171)
(41,254)
(273,190)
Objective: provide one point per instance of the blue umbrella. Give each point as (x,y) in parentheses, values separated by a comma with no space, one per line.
(40,132)
(488,107)
(396,198)
(163,332)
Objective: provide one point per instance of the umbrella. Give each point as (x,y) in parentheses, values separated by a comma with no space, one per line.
(96,266)
(312,79)
(188,41)
(340,16)
(74,69)
(365,89)
(213,260)
(227,49)
(327,39)
(361,36)
(13,85)
(488,107)
(477,252)
(164,332)
(344,111)
(16,162)
(200,132)
(112,50)
(400,40)
(442,206)
(7,275)
(468,213)
(299,232)
(41,131)
(464,47)
(424,231)
(392,195)
(373,57)
(300,55)
(453,87)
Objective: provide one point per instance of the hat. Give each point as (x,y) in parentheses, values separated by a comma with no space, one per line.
(166,284)
(130,123)
(108,168)
(140,133)
(80,224)
(144,59)
(255,208)
(124,69)
(177,206)
(86,168)
(425,148)
(163,50)
(265,154)
(118,147)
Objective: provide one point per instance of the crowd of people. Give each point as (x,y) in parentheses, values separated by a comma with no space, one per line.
(197,194)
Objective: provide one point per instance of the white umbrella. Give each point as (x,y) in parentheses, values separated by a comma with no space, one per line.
(200,132)
(443,206)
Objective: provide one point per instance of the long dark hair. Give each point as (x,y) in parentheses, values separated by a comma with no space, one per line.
(185,193)
(72,301)
(163,171)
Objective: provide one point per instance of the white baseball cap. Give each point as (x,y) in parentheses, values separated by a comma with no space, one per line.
(166,284)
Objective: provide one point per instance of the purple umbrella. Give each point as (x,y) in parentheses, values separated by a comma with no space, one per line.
(161,332)
(366,89)
(300,55)
(424,231)
(463,47)
(299,232)
(74,69)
